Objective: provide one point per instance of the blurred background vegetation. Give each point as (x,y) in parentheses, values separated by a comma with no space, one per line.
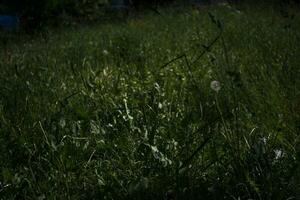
(34,13)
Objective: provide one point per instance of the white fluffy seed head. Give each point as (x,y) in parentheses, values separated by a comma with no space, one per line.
(215,85)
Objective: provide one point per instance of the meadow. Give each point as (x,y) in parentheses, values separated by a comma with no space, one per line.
(185,104)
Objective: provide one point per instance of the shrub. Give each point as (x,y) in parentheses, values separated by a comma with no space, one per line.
(36,12)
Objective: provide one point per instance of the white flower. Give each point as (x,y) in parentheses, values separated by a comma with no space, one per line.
(105,52)
(278,154)
(215,85)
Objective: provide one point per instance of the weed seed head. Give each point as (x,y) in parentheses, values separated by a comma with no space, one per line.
(215,85)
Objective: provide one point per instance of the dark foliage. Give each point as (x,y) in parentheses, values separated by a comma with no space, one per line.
(278,2)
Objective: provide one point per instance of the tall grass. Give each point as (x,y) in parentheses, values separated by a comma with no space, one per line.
(126,111)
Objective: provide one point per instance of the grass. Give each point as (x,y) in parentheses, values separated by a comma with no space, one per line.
(125,110)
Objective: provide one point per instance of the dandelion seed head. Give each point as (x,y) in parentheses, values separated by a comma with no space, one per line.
(215,85)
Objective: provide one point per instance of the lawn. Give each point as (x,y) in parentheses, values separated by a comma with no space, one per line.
(189,104)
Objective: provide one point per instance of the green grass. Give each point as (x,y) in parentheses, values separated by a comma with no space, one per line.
(99,112)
